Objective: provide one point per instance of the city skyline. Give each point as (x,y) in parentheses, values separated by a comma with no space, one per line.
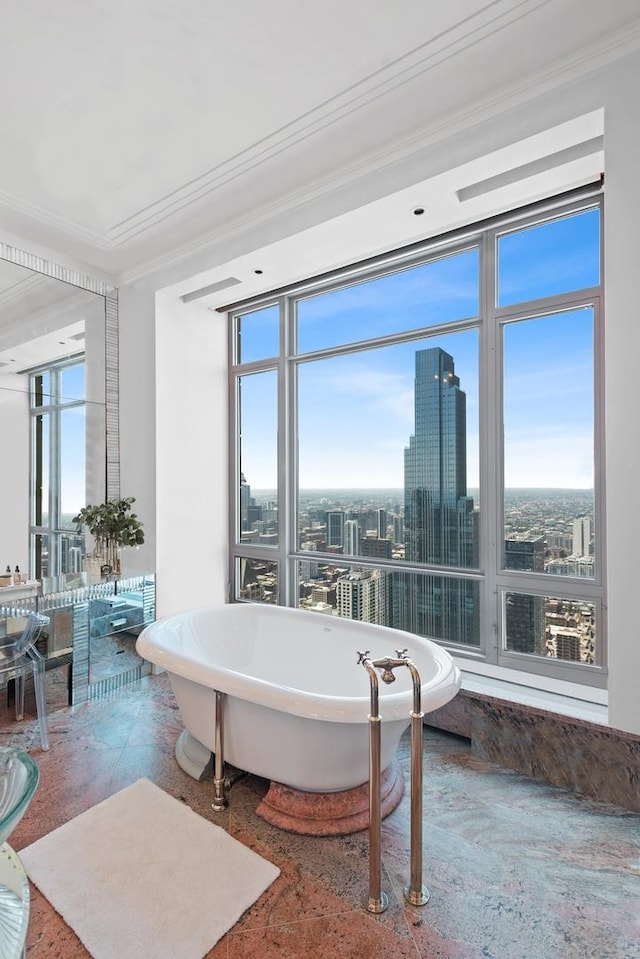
(407,413)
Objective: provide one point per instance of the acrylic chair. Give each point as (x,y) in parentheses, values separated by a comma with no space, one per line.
(18,656)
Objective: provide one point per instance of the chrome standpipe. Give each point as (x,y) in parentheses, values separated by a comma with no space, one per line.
(377,901)
(219,784)
(414,892)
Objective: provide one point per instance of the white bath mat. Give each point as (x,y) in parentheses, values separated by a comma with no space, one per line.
(141,874)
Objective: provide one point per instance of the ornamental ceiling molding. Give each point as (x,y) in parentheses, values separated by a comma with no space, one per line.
(424,58)
(587,61)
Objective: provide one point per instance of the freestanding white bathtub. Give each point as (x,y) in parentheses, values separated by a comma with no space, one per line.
(297,701)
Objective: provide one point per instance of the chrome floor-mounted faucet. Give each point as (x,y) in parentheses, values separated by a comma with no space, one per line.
(414,892)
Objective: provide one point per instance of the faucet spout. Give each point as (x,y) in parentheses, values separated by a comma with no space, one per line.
(387,674)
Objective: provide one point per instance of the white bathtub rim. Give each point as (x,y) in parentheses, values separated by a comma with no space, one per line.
(435,692)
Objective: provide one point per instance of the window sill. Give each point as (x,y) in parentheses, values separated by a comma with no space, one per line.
(550,700)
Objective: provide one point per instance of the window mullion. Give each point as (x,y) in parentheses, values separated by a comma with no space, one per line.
(286,456)
(490,449)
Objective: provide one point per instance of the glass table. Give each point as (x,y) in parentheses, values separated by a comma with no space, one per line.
(14,905)
(19,777)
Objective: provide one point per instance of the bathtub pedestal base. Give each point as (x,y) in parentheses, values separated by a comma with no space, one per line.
(329,814)
(192,756)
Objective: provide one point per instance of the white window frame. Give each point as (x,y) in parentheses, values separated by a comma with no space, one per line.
(54,409)
(494,581)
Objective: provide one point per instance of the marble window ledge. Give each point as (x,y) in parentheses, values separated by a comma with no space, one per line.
(577,752)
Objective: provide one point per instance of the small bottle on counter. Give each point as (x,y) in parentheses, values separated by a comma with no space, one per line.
(17,576)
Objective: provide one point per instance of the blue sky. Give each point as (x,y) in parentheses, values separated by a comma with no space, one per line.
(72,440)
(356,411)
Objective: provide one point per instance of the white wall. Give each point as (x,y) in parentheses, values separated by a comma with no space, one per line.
(137,418)
(191,456)
(191,413)
(622,361)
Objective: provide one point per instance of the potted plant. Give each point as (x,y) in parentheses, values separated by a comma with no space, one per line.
(112,525)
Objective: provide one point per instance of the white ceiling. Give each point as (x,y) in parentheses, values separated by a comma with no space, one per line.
(134,130)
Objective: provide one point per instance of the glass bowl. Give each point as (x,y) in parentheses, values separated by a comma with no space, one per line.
(19,777)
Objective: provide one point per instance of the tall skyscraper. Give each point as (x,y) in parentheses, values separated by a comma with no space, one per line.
(375,548)
(363,594)
(581,536)
(440,521)
(249,512)
(352,536)
(525,615)
(335,527)
(398,529)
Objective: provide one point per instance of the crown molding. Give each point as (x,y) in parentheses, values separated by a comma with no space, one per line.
(53,220)
(19,289)
(589,60)
(491,19)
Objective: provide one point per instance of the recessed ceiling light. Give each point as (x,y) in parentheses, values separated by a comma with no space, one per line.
(418,210)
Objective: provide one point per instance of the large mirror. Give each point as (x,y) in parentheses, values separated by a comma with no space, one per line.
(59,430)
(52,419)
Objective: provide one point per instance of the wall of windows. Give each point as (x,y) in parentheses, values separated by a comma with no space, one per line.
(58,467)
(418,443)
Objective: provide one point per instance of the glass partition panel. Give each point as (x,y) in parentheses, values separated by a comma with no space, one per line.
(549,258)
(549,444)
(72,465)
(256,580)
(444,289)
(41,389)
(258,335)
(72,382)
(40,469)
(550,626)
(40,554)
(257,399)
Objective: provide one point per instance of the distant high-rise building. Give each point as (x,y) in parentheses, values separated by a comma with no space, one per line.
(375,548)
(439,518)
(249,512)
(381,523)
(352,536)
(568,644)
(525,615)
(324,594)
(524,554)
(363,594)
(572,566)
(398,529)
(308,569)
(335,528)
(581,536)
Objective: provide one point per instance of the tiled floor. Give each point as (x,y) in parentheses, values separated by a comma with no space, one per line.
(516,869)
